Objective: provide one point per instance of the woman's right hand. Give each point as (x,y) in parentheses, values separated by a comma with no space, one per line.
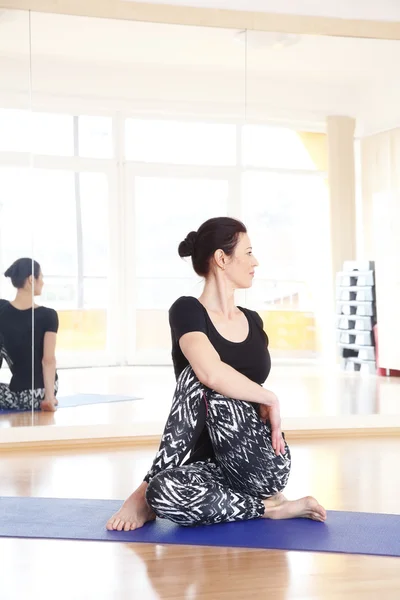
(278,443)
(272,412)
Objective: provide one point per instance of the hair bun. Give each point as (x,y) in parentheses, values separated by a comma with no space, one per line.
(186,247)
(10,271)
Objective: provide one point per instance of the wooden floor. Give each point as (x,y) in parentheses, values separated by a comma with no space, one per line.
(343,474)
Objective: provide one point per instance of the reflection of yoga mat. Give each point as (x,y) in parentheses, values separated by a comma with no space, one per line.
(82,399)
(351,533)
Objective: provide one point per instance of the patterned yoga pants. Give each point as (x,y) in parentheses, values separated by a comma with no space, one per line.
(231,488)
(21,401)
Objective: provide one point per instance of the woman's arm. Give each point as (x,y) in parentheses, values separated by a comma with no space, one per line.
(225,380)
(219,376)
(49,364)
(4,354)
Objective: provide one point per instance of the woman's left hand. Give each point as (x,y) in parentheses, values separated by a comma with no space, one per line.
(278,442)
(49,403)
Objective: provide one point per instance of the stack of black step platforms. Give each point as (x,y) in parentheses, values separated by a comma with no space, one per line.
(356,310)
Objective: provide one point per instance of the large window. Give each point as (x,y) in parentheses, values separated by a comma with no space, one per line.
(102,202)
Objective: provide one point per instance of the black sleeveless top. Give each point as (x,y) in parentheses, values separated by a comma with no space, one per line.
(250,357)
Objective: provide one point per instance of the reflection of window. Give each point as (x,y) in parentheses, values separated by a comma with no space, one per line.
(14,130)
(166,210)
(16,232)
(60,292)
(60,217)
(71,255)
(40,133)
(175,142)
(53,134)
(95,137)
(276,148)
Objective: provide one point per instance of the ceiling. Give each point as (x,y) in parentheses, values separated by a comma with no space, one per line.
(382,10)
(205,71)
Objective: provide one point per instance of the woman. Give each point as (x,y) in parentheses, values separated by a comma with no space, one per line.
(16,342)
(221,416)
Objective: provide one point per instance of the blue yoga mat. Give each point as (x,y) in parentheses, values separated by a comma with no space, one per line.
(56,518)
(82,399)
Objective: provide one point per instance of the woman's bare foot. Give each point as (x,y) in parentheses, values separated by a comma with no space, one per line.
(275,500)
(306,508)
(49,405)
(133,514)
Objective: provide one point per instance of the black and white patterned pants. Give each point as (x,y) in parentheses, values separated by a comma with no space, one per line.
(22,401)
(246,469)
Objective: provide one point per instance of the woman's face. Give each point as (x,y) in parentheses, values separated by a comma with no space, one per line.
(37,284)
(240,267)
(37,290)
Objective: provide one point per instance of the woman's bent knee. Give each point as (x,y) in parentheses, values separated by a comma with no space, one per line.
(161,495)
(154,492)
(172,495)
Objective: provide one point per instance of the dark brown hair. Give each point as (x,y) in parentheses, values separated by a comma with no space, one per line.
(21,269)
(220,233)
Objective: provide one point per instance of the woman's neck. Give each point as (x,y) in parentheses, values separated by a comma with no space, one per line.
(23,300)
(218,296)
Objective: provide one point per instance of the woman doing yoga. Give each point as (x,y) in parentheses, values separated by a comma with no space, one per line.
(30,355)
(223,456)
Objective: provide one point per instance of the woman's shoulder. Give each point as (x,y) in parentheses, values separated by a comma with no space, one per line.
(254,315)
(185,303)
(45,311)
(4,309)
(187,314)
(47,317)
